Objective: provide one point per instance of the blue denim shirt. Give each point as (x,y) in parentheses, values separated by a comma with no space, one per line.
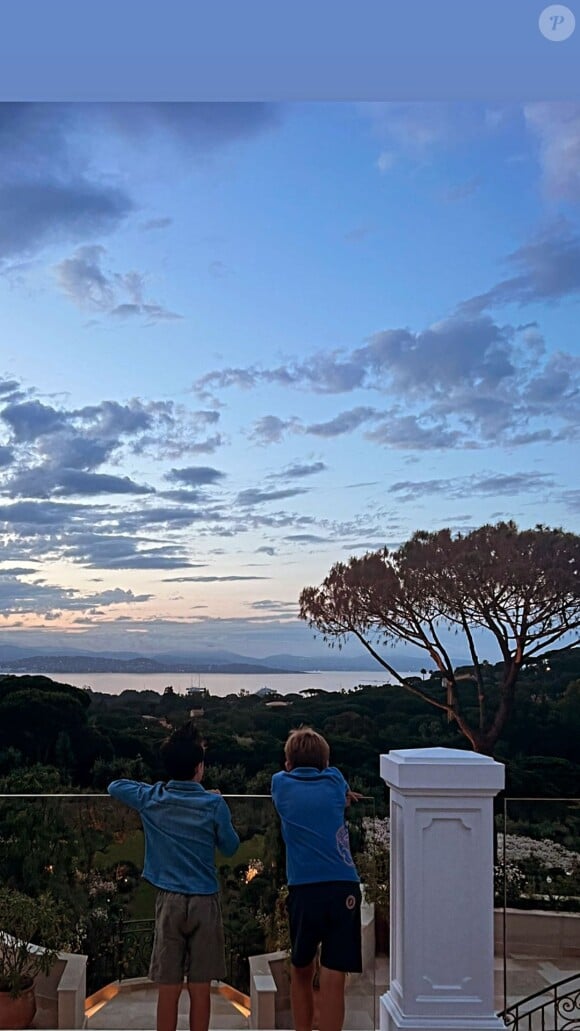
(311,804)
(183,825)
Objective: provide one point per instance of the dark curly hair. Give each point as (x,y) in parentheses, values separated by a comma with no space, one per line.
(183,752)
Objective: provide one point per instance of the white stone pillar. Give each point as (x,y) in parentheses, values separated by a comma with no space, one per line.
(441,954)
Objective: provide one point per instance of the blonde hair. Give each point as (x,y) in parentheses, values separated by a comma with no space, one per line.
(305,747)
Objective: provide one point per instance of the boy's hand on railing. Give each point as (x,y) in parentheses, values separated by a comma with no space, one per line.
(213,791)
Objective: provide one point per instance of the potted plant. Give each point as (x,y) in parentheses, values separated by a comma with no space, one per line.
(32,931)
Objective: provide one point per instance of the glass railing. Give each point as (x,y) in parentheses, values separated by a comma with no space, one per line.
(87,851)
(537,897)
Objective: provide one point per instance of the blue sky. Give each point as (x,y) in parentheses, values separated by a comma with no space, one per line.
(241,342)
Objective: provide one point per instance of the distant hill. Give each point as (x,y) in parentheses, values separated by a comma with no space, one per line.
(329,663)
(17,659)
(106,664)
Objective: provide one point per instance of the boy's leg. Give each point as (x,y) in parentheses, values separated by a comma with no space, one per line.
(167,1006)
(199,1005)
(341,950)
(168,956)
(305,935)
(206,956)
(332,984)
(302,996)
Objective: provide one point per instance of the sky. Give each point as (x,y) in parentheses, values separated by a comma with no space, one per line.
(241,342)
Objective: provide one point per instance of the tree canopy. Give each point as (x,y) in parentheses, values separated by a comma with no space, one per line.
(522,587)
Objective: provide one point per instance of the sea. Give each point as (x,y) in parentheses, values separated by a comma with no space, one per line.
(222,684)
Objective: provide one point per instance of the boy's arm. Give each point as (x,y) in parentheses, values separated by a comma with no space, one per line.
(277,792)
(349,796)
(227,839)
(131,792)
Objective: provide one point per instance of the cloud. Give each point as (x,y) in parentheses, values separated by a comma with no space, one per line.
(306,538)
(116,596)
(183,497)
(247,498)
(453,351)
(9,388)
(50,601)
(300,470)
(195,475)
(36,514)
(49,190)
(121,551)
(208,446)
(174,517)
(407,433)
(324,373)
(273,607)
(197,128)
(17,571)
(556,127)
(6,456)
(571,499)
(266,550)
(73,481)
(491,485)
(270,429)
(463,382)
(219,379)
(218,269)
(346,422)
(413,131)
(85,281)
(358,234)
(57,451)
(364,546)
(33,214)
(547,269)
(184,433)
(29,420)
(156,223)
(385,161)
(211,579)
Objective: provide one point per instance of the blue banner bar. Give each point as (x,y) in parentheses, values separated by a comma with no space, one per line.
(298,50)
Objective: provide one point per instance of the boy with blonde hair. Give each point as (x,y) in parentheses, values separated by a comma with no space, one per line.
(324,895)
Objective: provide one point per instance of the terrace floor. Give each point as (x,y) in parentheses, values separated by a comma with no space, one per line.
(136,1008)
(133,1007)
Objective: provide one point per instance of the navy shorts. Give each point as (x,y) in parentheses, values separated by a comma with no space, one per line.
(326,914)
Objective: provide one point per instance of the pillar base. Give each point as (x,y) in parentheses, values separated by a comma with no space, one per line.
(393,1019)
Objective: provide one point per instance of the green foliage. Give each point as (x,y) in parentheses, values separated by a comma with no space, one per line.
(29,921)
(520,586)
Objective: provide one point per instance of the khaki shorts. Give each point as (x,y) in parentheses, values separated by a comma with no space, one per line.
(189,939)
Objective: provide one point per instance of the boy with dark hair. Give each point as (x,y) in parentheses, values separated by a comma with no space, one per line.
(183,824)
(324,895)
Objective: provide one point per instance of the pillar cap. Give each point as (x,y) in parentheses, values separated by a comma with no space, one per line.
(436,770)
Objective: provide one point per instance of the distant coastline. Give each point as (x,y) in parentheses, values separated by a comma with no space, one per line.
(217,684)
(95,664)
(52,662)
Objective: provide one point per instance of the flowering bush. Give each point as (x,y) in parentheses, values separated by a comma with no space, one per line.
(373,861)
(541,870)
(537,869)
(98,885)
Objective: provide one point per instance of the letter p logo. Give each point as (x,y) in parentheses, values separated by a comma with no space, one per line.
(557,23)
